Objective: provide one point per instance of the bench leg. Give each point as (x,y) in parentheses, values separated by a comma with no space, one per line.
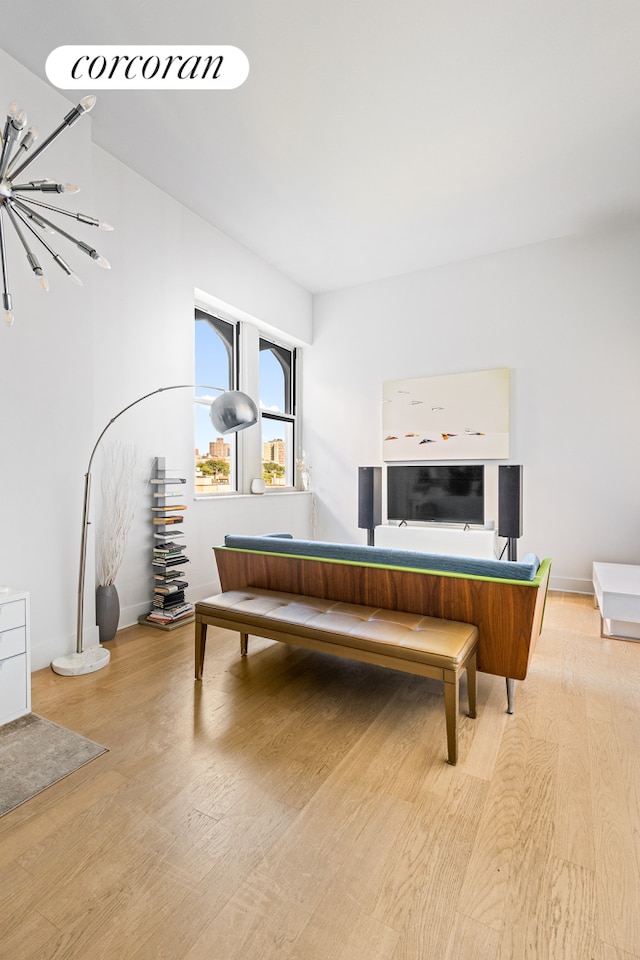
(201,642)
(451,703)
(244,644)
(472,685)
(511,693)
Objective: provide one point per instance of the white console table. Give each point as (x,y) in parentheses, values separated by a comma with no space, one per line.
(15,672)
(617,592)
(452,541)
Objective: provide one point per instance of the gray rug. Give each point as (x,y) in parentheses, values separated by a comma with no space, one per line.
(34,754)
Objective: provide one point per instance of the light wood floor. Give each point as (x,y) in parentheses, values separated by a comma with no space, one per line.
(299,807)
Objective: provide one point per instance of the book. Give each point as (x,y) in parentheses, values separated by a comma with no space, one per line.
(165,603)
(183,610)
(171,587)
(168,599)
(158,616)
(168,480)
(166,521)
(171,611)
(170,506)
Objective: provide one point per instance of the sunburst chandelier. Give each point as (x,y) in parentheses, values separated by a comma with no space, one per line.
(24,211)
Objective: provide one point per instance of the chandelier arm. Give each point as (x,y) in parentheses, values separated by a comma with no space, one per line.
(43,146)
(25,144)
(67,122)
(31,257)
(63,233)
(13,129)
(7,302)
(24,211)
(81,217)
(62,263)
(16,209)
(90,251)
(41,186)
(4,140)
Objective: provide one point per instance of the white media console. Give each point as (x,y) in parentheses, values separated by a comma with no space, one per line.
(452,541)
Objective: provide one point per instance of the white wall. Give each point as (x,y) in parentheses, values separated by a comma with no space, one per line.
(563,316)
(75,358)
(45,388)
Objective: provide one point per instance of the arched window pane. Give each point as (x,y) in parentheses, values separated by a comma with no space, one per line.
(275,377)
(272,396)
(214,352)
(215,458)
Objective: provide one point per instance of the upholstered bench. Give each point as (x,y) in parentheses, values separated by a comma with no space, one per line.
(422,645)
(504,599)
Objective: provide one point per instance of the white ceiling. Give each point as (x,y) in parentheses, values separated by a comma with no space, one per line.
(373,139)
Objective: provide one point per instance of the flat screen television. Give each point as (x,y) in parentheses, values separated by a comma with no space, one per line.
(446,494)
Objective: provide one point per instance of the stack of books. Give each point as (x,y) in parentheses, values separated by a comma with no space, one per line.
(169,558)
(171,610)
(169,604)
(167,555)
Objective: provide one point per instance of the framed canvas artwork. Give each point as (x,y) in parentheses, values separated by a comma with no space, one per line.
(461,416)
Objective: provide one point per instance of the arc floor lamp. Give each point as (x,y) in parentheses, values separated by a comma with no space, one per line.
(230,412)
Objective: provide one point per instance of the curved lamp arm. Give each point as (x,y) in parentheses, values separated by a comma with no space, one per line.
(231,412)
(235,394)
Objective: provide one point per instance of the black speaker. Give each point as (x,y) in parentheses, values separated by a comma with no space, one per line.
(510,500)
(369,497)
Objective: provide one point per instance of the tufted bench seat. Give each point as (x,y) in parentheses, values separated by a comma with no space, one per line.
(422,645)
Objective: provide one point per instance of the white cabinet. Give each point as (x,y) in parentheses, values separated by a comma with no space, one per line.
(15,672)
(452,541)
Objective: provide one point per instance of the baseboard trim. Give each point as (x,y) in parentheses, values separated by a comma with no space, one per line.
(570,585)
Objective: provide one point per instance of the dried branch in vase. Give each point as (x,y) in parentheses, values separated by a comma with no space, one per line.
(119,497)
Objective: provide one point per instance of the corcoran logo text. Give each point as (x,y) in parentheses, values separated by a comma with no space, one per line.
(147,67)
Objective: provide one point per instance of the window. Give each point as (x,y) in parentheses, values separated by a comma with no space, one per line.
(277,406)
(215,366)
(228,464)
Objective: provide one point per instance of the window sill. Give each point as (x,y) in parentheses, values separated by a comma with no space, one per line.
(290,492)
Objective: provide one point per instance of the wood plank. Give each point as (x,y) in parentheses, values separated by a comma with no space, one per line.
(487,877)
(569,927)
(617,854)
(424,871)
(526,930)
(471,939)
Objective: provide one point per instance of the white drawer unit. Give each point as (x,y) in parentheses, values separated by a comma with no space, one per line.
(15,672)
